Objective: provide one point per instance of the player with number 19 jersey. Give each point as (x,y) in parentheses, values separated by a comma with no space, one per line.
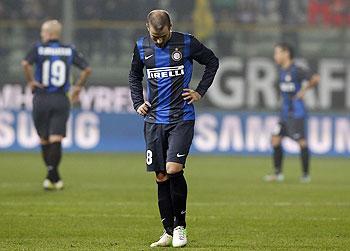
(53,61)
(50,84)
(52,65)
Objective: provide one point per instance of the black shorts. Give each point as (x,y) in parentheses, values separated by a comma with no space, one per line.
(50,114)
(167,143)
(293,128)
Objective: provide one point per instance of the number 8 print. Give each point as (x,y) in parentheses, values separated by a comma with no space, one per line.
(149,156)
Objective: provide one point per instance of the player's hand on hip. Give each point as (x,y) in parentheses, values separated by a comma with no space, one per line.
(143,109)
(300,94)
(191,96)
(34,84)
(74,98)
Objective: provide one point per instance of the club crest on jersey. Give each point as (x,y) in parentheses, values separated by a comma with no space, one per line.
(176,55)
(288,78)
(165,72)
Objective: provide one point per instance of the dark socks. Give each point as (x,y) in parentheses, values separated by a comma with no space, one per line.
(165,206)
(45,150)
(56,153)
(305,157)
(53,160)
(277,158)
(178,190)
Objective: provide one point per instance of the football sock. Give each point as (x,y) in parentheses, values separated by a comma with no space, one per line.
(45,150)
(178,190)
(277,159)
(305,157)
(165,206)
(54,160)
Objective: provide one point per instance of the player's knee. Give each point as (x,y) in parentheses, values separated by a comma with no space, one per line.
(173,176)
(44,141)
(55,138)
(161,176)
(275,141)
(302,143)
(172,167)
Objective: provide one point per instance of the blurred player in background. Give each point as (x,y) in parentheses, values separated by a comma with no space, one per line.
(169,113)
(293,114)
(50,85)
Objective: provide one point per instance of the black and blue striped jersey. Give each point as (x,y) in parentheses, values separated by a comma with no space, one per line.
(168,72)
(290,83)
(52,64)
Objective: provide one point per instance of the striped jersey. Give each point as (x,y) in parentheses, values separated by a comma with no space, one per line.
(53,61)
(168,71)
(290,83)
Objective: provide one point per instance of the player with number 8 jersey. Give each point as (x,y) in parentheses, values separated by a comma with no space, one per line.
(168,112)
(50,85)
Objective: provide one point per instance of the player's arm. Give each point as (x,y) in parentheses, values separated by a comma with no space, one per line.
(313,80)
(27,64)
(135,83)
(204,56)
(86,70)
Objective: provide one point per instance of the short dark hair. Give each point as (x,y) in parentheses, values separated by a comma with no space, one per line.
(286,47)
(159,19)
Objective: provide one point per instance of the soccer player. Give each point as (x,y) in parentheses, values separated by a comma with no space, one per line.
(169,112)
(293,113)
(50,85)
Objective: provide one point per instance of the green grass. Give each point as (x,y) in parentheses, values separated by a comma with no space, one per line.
(109,203)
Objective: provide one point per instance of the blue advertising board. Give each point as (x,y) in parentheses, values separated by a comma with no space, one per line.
(240,133)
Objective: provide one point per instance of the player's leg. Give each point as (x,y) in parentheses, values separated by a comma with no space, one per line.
(276,142)
(305,160)
(304,150)
(41,118)
(45,149)
(48,183)
(165,210)
(297,133)
(277,154)
(178,190)
(180,139)
(156,146)
(164,202)
(55,157)
(57,131)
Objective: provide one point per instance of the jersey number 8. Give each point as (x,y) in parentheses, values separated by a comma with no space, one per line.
(54,72)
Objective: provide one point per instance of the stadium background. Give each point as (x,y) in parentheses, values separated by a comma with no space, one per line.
(238,113)
(109,201)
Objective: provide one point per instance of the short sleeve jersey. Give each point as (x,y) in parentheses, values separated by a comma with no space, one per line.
(53,61)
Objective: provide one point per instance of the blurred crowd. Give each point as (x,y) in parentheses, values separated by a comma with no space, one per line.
(30,9)
(228,25)
(328,12)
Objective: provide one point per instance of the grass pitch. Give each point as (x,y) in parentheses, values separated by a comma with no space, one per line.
(110,203)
